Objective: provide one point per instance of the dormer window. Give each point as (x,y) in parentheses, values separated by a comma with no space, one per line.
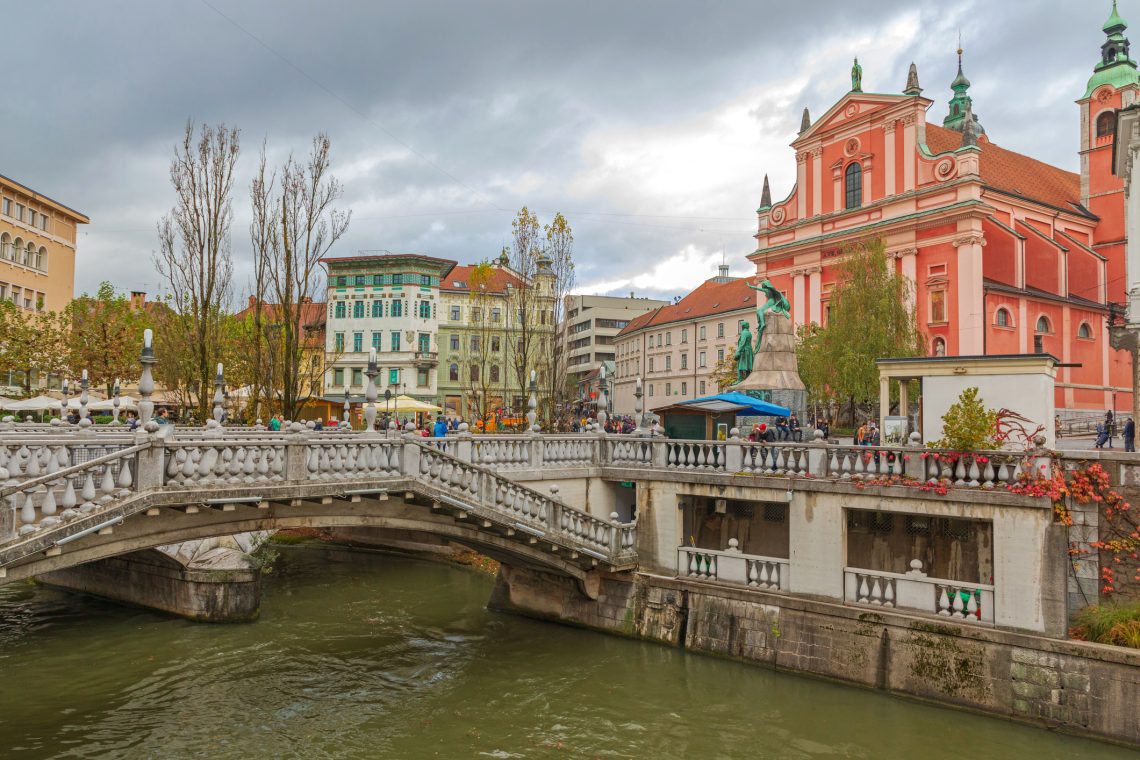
(854,186)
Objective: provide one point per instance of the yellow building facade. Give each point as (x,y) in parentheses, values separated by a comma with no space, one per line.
(37,248)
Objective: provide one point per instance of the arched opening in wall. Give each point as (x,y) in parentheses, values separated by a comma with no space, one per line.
(1043,325)
(42,259)
(30,255)
(5,246)
(1002,317)
(1106,124)
(938,347)
(854,185)
(1084,331)
(453,373)
(18,250)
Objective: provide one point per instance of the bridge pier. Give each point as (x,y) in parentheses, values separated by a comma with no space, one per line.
(221,586)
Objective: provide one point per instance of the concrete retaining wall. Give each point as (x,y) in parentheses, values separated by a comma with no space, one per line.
(1081,688)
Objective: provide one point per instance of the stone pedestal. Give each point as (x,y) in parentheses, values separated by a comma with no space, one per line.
(775,376)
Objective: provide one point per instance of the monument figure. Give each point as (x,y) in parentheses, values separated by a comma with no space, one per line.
(745,355)
(856,77)
(776,303)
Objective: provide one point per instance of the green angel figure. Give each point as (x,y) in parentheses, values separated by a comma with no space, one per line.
(777,303)
(745,355)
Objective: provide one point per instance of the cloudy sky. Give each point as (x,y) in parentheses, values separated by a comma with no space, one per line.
(650,124)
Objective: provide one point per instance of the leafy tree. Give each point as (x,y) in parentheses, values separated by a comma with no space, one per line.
(34,344)
(560,251)
(725,374)
(105,335)
(968,425)
(872,316)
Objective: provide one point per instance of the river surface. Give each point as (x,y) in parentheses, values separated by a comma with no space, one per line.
(360,655)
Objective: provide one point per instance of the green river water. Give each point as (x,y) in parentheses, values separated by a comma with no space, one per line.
(360,655)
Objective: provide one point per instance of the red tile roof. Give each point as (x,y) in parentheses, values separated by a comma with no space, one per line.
(1015,173)
(458,279)
(313,314)
(710,298)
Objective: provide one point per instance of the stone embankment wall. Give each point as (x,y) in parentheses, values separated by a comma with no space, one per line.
(1081,688)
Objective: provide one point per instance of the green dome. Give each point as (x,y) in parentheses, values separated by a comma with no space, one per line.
(1117,76)
(1115,23)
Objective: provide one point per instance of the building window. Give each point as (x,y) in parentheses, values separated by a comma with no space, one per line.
(7,207)
(425,279)
(668,389)
(1043,325)
(397,309)
(341,281)
(1084,331)
(357,342)
(454,342)
(422,378)
(338,341)
(702,387)
(377,309)
(425,310)
(476,314)
(474,373)
(377,280)
(393,377)
(376,340)
(684,361)
(1106,124)
(358,309)
(651,364)
(475,344)
(701,360)
(684,389)
(357,380)
(494,373)
(1002,318)
(20,211)
(651,390)
(701,333)
(397,279)
(496,314)
(359,281)
(854,186)
(668,339)
(719,355)
(453,373)
(454,313)
(338,377)
(937,306)
(668,362)
(339,310)
(720,329)
(684,336)
(395,340)
(496,344)
(938,347)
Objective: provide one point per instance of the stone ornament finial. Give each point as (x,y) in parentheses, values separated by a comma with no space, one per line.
(912,87)
(805,121)
(766,194)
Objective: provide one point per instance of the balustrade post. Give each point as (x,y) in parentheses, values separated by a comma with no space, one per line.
(464,447)
(734,453)
(660,453)
(150,468)
(915,466)
(818,453)
(297,457)
(615,534)
(536,452)
(410,457)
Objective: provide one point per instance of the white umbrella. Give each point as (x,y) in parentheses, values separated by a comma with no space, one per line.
(108,404)
(34,404)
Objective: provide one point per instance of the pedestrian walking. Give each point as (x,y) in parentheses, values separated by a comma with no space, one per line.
(1101,435)
(1130,435)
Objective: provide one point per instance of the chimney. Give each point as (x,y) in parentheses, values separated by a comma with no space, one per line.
(138,299)
(252,302)
(307,299)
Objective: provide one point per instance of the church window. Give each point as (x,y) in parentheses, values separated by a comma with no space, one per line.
(937,306)
(1084,331)
(854,177)
(1043,325)
(1002,318)
(1106,124)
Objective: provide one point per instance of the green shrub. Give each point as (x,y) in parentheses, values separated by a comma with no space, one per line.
(968,425)
(104,419)
(1117,624)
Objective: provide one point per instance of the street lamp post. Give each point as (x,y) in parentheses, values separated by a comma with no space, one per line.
(370,392)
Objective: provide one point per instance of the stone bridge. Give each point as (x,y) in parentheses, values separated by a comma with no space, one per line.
(79,497)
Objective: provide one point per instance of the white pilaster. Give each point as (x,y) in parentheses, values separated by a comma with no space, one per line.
(971,300)
(889,162)
(798,298)
(815,297)
(816,181)
(801,185)
(909,128)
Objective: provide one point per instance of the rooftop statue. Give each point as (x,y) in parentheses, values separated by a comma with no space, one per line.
(856,77)
(777,303)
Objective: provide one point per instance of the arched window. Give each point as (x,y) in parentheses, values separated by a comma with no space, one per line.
(453,373)
(1043,325)
(1084,331)
(377,308)
(18,251)
(41,259)
(1002,318)
(5,246)
(1106,124)
(30,255)
(854,180)
(494,373)
(938,347)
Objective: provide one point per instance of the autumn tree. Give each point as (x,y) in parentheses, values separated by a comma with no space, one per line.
(294,225)
(872,316)
(105,335)
(482,369)
(523,299)
(194,256)
(34,344)
(560,251)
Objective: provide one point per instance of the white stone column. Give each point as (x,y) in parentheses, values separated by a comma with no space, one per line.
(801,185)
(815,295)
(908,267)
(868,196)
(909,141)
(799,296)
(971,299)
(889,163)
(816,181)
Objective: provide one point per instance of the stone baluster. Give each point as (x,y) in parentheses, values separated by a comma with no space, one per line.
(146,380)
(115,405)
(219,386)
(532,404)
(370,394)
(84,420)
(603,402)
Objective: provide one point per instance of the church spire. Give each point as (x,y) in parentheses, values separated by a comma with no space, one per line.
(961,103)
(766,196)
(912,87)
(1115,67)
(805,121)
